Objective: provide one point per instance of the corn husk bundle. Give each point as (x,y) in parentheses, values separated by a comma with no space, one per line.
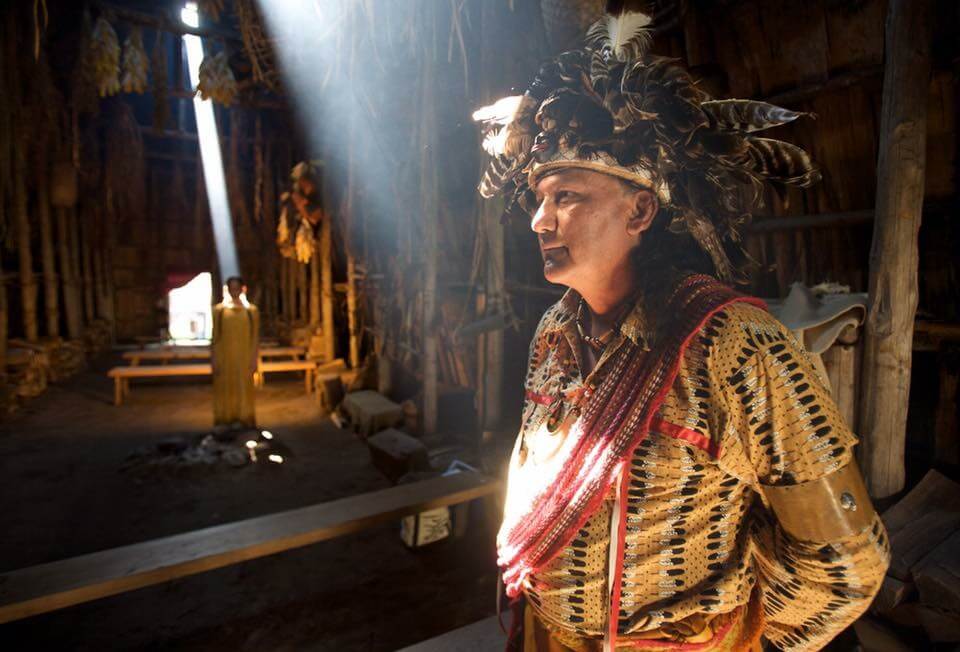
(216,79)
(105,58)
(134,77)
(305,243)
(286,225)
(27,371)
(67,358)
(161,87)
(211,9)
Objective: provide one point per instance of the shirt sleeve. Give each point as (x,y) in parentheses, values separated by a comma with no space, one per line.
(780,413)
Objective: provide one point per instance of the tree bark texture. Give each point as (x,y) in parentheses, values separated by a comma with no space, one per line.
(901,166)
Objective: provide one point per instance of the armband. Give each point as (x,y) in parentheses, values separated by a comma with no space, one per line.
(822,510)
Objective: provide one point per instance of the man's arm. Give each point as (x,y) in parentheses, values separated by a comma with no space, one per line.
(820,551)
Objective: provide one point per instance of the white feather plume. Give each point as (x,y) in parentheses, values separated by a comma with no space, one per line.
(629,34)
(500,112)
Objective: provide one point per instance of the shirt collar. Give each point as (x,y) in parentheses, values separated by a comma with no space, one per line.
(638,325)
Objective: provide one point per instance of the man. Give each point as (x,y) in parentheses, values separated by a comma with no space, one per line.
(236,336)
(682,479)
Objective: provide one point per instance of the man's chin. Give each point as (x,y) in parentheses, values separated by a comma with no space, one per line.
(554,272)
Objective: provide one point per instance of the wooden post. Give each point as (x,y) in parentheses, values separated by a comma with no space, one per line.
(4,330)
(51,293)
(353,321)
(326,273)
(946,433)
(28,282)
(71,290)
(86,253)
(892,306)
(304,312)
(429,211)
(315,264)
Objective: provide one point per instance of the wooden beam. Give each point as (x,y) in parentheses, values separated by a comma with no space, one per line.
(837,82)
(901,168)
(818,221)
(59,584)
(163,22)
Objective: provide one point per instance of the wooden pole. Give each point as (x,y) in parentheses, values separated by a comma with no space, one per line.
(4,331)
(51,292)
(28,282)
(71,291)
(892,305)
(86,246)
(315,264)
(326,274)
(304,312)
(429,211)
(353,322)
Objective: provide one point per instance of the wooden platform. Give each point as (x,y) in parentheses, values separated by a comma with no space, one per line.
(482,636)
(308,367)
(60,584)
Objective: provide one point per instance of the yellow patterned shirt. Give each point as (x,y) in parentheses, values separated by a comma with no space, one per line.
(747,409)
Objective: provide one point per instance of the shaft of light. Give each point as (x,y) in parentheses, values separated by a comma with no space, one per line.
(212,166)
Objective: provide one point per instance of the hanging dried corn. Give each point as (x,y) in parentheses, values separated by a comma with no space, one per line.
(305,242)
(134,77)
(105,57)
(216,79)
(286,226)
(161,86)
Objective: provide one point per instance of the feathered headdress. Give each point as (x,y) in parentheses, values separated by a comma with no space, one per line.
(612,107)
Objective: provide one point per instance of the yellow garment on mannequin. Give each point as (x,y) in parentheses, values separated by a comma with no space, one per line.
(236,332)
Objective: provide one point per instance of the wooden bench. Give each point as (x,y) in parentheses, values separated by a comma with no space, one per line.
(122,375)
(171,353)
(308,367)
(56,585)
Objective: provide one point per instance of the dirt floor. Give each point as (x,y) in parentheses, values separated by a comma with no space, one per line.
(68,488)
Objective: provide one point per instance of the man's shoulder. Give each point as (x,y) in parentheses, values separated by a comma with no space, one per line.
(741,323)
(553,317)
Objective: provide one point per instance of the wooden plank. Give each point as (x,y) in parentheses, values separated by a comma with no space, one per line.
(60,584)
(150,371)
(911,543)
(482,636)
(938,575)
(892,593)
(935,491)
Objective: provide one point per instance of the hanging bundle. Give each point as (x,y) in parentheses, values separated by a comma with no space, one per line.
(305,242)
(286,227)
(216,79)
(105,58)
(134,78)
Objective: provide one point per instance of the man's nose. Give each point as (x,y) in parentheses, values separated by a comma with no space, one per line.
(545,219)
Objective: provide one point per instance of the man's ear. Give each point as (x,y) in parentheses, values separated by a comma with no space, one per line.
(645,207)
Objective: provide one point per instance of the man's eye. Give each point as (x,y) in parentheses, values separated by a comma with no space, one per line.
(563,195)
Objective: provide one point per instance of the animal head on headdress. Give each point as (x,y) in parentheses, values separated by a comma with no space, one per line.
(614,108)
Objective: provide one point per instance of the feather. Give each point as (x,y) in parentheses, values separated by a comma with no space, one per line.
(703,231)
(630,35)
(747,115)
(500,112)
(508,125)
(781,161)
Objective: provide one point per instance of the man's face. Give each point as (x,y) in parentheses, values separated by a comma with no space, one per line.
(235,289)
(582,224)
